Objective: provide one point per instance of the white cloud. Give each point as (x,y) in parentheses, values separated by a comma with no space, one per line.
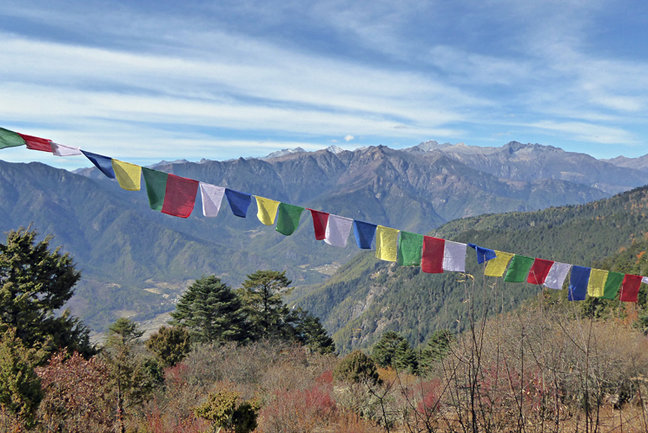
(348,137)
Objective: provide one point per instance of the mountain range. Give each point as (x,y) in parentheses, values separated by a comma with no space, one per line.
(135,261)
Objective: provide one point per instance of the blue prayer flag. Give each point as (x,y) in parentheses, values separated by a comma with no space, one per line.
(103,163)
(483,254)
(364,234)
(578,283)
(238,201)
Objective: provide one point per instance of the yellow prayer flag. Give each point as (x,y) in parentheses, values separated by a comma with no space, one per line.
(386,243)
(128,175)
(596,284)
(267,210)
(496,267)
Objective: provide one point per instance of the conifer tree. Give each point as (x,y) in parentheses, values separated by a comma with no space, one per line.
(392,350)
(265,310)
(35,283)
(211,312)
(310,332)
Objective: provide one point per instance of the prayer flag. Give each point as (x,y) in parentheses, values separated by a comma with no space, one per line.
(556,276)
(128,175)
(612,285)
(409,249)
(630,288)
(156,182)
(386,243)
(288,216)
(337,230)
(238,201)
(596,283)
(496,267)
(364,234)
(454,256)
(483,254)
(37,143)
(63,150)
(266,210)
(320,220)
(10,139)
(212,197)
(644,280)
(518,271)
(578,283)
(180,196)
(539,271)
(103,163)
(433,255)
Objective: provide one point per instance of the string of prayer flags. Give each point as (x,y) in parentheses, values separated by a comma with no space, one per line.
(364,234)
(409,249)
(612,285)
(128,175)
(454,256)
(496,267)
(557,275)
(63,150)
(337,230)
(175,195)
(238,201)
(386,242)
(519,268)
(578,283)
(266,210)
(320,220)
(180,196)
(37,143)
(596,283)
(103,163)
(156,183)
(288,216)
(10,139)
(483,254)
(212,197)
(630,288)
(433,255)
(539,270)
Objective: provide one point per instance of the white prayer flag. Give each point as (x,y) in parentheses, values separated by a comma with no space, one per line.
(454,256)
(556,276)
(63,150)
(211,198)
(337,230)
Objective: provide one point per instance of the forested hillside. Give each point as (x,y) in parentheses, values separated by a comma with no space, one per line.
(368,297)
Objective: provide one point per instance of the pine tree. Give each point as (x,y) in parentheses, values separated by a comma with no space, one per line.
(392,350)
(130,375)
(170,345)
(310,332)
(265,310)
(211,312)
(35,283)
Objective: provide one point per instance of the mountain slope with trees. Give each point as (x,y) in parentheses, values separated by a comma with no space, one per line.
(368,297)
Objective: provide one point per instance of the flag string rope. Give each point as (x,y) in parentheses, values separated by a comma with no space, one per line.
(176,195)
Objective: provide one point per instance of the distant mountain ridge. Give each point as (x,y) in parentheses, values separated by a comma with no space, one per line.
(135,261)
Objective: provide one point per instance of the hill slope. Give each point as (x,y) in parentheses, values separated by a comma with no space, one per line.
(367,297)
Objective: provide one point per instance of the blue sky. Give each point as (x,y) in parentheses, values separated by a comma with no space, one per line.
(144,81)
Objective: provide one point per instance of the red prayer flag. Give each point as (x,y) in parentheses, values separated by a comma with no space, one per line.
(180,196)
(320,219)
(630,288)
(432,256)
(539,270)
(37,143)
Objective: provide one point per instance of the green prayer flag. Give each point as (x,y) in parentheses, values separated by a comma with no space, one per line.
(518,269)
(410,249)
(10,139)
(288,218)
(155,187)
(612,285)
